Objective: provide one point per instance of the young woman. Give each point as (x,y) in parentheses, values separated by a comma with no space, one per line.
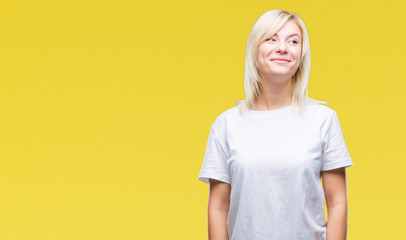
(265,157)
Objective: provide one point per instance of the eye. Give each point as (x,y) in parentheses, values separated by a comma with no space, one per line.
(268,39)
(295,42)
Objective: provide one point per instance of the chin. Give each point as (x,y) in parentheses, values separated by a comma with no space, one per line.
(280,73)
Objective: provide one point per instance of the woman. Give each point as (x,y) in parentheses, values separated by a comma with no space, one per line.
(265,157)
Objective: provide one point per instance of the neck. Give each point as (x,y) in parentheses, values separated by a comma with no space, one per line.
(274,94)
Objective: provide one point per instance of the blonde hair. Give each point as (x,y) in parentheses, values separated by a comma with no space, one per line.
(267,25)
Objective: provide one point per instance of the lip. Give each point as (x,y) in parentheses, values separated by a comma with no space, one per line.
(280,60)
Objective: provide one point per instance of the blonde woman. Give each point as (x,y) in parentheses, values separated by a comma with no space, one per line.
(265,157)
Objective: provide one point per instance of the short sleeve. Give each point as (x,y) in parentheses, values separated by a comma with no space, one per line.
(335,153)
(215,161)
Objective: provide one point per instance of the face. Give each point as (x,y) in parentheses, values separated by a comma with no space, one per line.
(279,54)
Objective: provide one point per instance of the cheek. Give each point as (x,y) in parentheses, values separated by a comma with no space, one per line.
(264,49)
(261,55)
(260,52)
(298,52)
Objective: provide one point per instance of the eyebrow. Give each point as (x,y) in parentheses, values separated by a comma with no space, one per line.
(290,35)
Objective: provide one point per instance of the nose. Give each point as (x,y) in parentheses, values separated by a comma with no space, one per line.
(281,48)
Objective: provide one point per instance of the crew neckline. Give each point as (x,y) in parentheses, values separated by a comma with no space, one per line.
(272,112)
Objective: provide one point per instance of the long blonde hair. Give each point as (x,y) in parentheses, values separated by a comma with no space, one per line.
(268,24)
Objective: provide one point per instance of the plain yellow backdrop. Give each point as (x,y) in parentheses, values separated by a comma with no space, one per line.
(106,108)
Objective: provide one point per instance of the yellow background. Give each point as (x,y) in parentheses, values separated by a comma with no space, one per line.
(106,108)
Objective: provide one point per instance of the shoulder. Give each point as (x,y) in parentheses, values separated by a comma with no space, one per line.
(224,119)
(326,118)
(320,111)
(220,122)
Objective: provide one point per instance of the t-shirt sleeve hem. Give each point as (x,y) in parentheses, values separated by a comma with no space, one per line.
(204,177)
(346,162)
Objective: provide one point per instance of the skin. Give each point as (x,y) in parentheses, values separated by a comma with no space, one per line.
(219,202)
(335,189)
(276,80)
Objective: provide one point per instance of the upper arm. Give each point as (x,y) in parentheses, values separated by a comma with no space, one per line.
(215,164)
(219,196)
(334,150)
(335,186)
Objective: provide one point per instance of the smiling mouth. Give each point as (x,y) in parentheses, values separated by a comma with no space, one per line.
(280,61)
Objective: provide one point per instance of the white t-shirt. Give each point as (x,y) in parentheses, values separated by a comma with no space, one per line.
(273,161)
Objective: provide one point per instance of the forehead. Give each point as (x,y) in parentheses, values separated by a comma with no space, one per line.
(290,28)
